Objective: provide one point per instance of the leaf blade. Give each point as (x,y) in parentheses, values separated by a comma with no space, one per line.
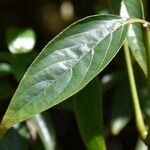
(88,110)
(134,9)
(121,109)
(66,65)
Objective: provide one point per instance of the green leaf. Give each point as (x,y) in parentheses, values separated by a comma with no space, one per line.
(122,109)
(134,9)
(66,65)
(20,40)
(88,110)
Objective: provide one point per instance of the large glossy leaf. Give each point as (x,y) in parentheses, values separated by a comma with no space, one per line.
(66,65)
(134,9)
(88,110)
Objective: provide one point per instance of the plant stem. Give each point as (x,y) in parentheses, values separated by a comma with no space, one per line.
(138,113)
(147,34)
(147,39)
(136,20)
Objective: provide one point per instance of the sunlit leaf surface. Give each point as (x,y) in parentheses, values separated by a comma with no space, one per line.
(66,65)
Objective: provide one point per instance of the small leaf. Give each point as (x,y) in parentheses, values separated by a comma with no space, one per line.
(122,109)
(88,110)
(66,65)
(20,40)
(134,9)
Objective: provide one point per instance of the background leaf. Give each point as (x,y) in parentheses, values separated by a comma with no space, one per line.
(122,109)
(134,9)
(66,65)
(20,40)
(88,110)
